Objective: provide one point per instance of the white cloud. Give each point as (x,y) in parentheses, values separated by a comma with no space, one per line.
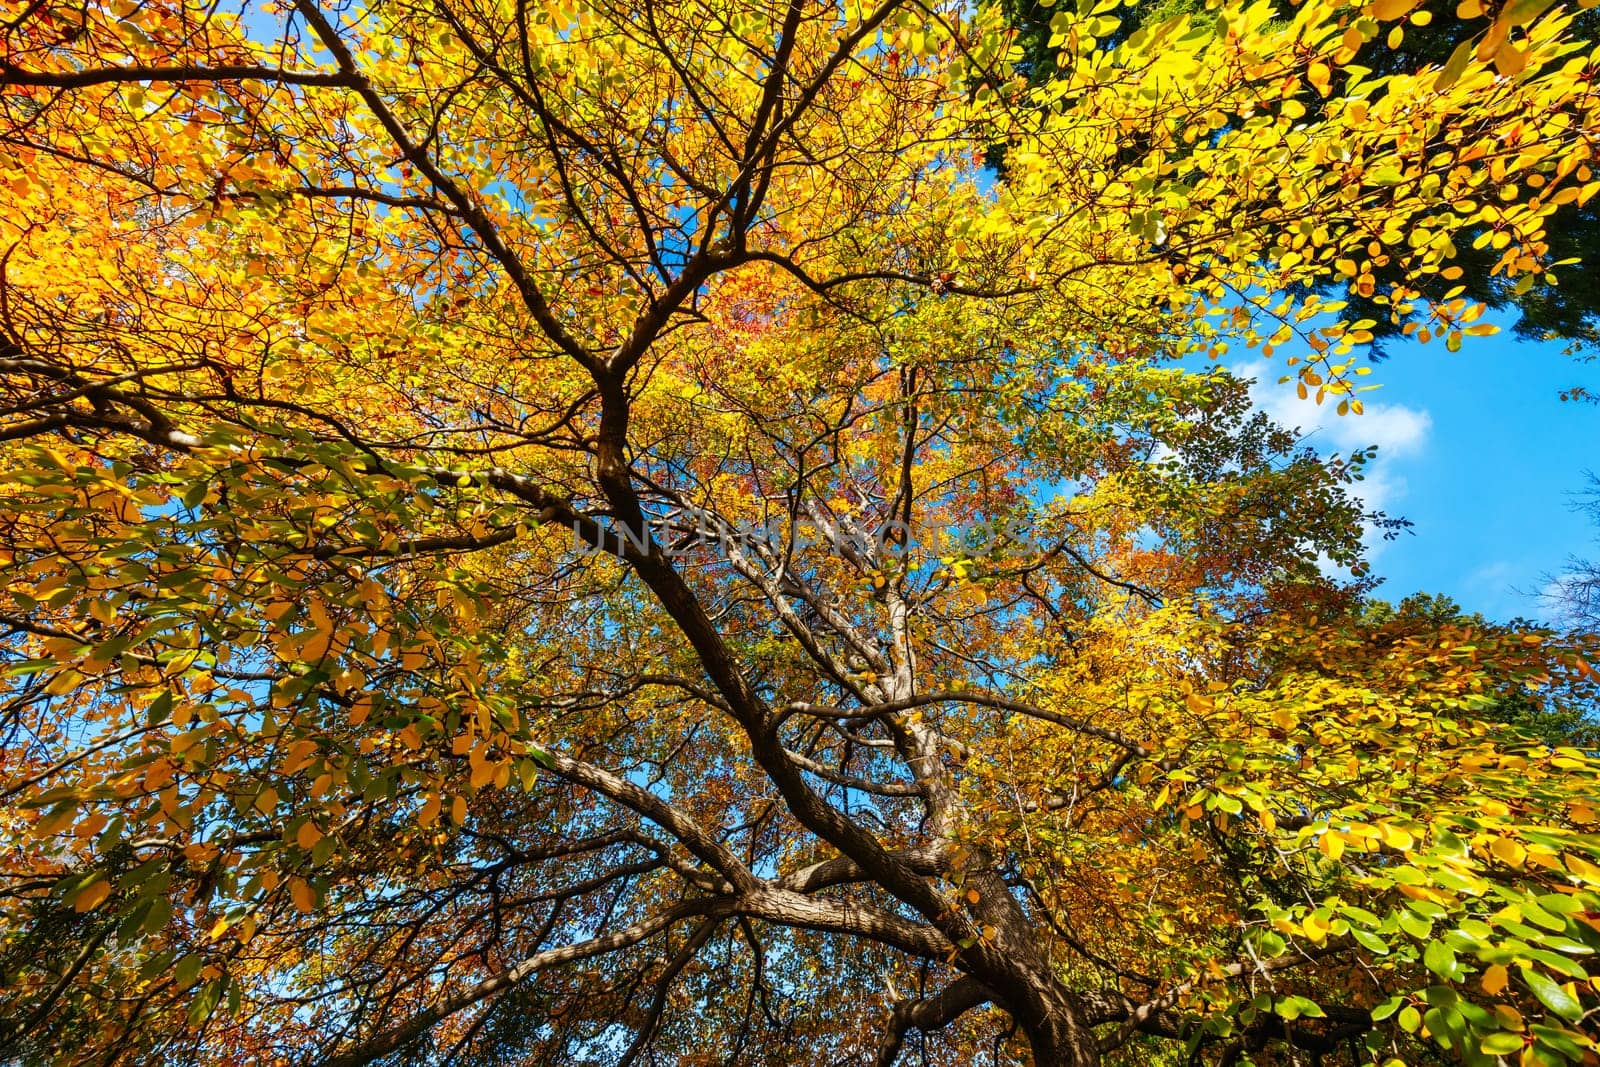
(1495,584)
(1400,433)
(1567,599)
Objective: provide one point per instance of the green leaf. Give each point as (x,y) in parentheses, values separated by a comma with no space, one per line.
(1387,1008)
(1552,995)
(1439,958)
(1501,1043)
(1535,914)
(1415,925)
(188,970)
(159,709)
(1296,1007)
(1456,65)
(1270,945)
(203,1004)
(1522,12)
(1549,1037)
(1371,942)
(158,916)
(155,965)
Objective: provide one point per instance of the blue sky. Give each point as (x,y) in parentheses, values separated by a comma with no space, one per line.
(1477,450)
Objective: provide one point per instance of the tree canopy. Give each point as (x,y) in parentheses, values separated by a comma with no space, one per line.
(600,533)
(1431,33)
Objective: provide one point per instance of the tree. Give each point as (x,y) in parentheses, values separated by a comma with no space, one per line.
(1553,721)
(1576,593)
(1566,306)
(590,534)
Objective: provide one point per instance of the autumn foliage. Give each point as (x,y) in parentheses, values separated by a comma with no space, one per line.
(601,533)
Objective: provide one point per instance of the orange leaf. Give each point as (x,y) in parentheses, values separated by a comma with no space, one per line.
(429,811)
(91,895)
(304,897)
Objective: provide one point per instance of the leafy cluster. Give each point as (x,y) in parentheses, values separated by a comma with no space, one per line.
(595,532)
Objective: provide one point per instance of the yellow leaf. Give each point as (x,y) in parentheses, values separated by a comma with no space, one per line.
(308,834)
(1510,60)
(458,810)
(429,811)
(1389,10)
(1395,837)
(1508,851)
(267,801)
(1494,979)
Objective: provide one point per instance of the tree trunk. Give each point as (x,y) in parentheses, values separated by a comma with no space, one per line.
(1059,1040)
